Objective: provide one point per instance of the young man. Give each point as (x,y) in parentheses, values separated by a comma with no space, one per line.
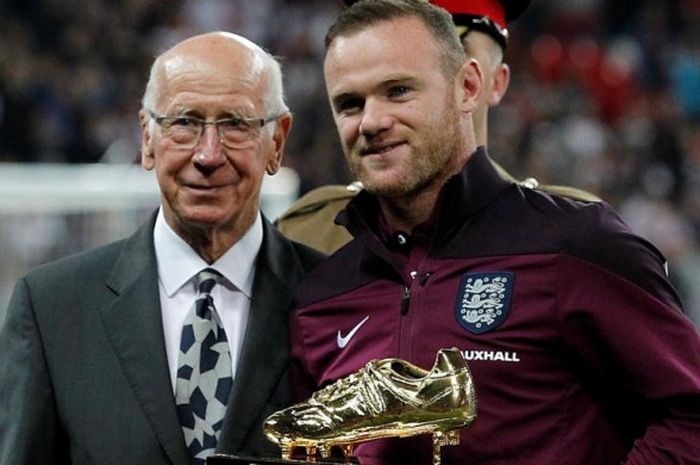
(127,354)
(481,25)
(577,345)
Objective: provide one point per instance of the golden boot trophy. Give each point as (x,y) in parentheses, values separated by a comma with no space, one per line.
(386,398)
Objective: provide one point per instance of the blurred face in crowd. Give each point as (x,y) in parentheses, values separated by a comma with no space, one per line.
(212,185)
(401,120)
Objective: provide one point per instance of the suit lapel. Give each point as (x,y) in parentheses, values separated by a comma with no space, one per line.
(134,327)
(260,368)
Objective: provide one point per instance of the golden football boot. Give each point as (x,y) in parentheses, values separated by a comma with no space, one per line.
(386,398)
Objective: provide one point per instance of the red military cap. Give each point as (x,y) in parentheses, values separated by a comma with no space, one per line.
(489,16)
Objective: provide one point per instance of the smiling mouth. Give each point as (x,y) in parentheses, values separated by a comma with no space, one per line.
(201,188)
(380,149)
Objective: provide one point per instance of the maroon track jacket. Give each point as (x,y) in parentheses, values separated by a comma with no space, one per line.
(577,343)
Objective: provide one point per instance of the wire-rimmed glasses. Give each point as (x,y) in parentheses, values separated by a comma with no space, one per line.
(234,133)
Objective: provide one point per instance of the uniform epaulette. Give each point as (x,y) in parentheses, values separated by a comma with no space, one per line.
(320,197)
(310,220)
(568,192)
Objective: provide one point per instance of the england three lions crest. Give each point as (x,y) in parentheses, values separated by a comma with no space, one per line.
(483,300)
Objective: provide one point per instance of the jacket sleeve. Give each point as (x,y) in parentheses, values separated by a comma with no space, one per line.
(634,348)
(30,433)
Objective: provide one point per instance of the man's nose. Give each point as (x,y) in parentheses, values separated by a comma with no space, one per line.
(375,118)
(209,151)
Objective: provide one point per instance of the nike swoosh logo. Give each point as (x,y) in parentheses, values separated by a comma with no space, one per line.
(343,340)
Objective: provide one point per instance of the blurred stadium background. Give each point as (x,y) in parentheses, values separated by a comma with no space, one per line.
(605,96)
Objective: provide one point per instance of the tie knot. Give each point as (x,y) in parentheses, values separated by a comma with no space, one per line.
(206,280)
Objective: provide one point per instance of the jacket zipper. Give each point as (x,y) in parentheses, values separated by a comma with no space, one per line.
(405,300)
(404,331)
(406,295)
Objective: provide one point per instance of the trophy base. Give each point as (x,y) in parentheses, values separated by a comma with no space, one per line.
(224,459)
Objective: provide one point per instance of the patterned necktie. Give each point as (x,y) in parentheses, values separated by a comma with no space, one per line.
(203,374)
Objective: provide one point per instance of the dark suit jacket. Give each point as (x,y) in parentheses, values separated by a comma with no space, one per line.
(83,371)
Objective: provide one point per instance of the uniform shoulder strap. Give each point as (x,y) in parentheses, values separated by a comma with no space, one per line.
(310,220)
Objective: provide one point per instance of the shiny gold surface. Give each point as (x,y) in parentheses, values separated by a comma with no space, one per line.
(386,398)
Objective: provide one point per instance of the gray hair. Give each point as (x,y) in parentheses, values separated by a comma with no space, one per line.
(274,97)
(367,13)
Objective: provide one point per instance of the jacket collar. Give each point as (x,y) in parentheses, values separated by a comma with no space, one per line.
(462,196)
(134,328)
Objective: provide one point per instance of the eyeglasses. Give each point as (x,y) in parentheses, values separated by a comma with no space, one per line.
(234,133)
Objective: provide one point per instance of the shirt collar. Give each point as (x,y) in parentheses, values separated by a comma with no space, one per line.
(178,262)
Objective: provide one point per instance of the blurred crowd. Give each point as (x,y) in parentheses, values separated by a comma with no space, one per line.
(604,96)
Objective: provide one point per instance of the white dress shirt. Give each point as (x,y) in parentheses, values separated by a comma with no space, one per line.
(178,264)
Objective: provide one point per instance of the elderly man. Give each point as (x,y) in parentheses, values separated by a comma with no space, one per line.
(575,338)
(171,344)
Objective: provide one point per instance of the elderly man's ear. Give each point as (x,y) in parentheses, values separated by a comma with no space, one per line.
(279,138)
(147,159)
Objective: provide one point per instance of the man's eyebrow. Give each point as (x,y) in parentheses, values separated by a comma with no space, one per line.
(236,113)
(229,113)
(400,79)
(388,82)
(345,95)
(180,110)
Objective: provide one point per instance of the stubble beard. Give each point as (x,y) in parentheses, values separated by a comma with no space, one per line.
(430,163)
